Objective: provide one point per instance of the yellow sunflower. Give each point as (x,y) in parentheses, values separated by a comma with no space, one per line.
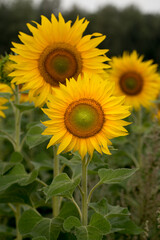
(56,51)
(138,80)
(4,88)
(85,119)
(2,107)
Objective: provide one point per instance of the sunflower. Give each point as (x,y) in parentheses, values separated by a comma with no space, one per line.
(135,78)
(85,119)
(2,107)
(56,51)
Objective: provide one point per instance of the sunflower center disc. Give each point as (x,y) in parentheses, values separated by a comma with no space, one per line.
(131,83)
(84,118)
(58,63)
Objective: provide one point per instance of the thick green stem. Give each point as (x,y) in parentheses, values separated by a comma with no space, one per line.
(17,122)
(17,148)
(17,215)
(140,142)
(56,200)
(84,191)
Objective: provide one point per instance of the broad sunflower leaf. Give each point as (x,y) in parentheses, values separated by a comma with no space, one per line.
(124,225)
(88,233)
(108,211)
(70,223)
(7,232)
(5,95)
(48,228)
(32,223)
(17,175)
(100,207)
(16,157)
(34,136)
(62,185)
(39,238)
(100,223)
(68,209)
(18,194)
(28,220)
(110,176)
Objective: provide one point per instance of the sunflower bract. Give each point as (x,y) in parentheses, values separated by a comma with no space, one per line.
(56,50)
(84,115)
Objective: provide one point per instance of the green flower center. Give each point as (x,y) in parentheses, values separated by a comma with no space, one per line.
(84,118)
(60,64)
(131,83)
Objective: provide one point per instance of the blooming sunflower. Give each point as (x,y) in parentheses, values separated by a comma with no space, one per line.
(85,119)
(135,78)
(2,107)
(56,51)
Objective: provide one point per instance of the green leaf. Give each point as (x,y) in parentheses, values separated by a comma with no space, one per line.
(30,178)
(34,136)
(74,164)
(104,208)
(28,220)
(68,209)
(100,223)
(24,107)
(100,207)
(5,95)
(125,225)
(70,223)
(110,176)
(62,185)
(16,157)
(7,232)
(17,194)
(49,228)
(39,238)
(17,175)
(98,161)
(32,223)
(87,233)
(117,211)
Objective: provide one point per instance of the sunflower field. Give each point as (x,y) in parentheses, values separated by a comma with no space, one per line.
(79,129)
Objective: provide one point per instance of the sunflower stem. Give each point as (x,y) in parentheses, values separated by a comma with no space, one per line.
(140,143)
(17,148)
(55,200)
(17,121)
(17,215)
(85,163)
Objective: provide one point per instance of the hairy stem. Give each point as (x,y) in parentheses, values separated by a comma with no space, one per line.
(140,142)
(17,122)
(85,163)
(56,200)
(17,215)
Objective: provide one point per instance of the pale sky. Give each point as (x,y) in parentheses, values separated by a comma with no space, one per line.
(149,6)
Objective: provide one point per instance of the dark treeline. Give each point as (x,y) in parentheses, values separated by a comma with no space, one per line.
(126,29)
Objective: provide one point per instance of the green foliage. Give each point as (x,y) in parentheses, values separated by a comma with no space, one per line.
(62,185)
(110,176)
(70,223)
(34,135)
